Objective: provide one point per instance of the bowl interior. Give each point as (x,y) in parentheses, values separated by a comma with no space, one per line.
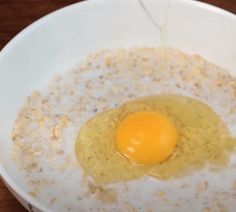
(58,41)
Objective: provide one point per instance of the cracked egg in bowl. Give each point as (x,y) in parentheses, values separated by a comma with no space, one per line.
(119,121)
(143,126)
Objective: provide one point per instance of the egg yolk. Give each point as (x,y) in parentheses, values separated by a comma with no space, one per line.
(146,137)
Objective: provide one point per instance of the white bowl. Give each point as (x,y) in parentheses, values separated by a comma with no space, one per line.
(56,42)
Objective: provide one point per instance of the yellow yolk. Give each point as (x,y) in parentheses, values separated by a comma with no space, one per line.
(146,137)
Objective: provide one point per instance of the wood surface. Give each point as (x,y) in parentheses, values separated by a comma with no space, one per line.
(15,15)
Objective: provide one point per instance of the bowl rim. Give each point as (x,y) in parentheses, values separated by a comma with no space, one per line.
(40,22)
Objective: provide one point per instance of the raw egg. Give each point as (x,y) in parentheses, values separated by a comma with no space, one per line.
(162,136)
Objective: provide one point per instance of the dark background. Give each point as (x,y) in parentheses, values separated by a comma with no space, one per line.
(15,15)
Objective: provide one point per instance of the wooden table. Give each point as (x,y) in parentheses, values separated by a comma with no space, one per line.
(16,15)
